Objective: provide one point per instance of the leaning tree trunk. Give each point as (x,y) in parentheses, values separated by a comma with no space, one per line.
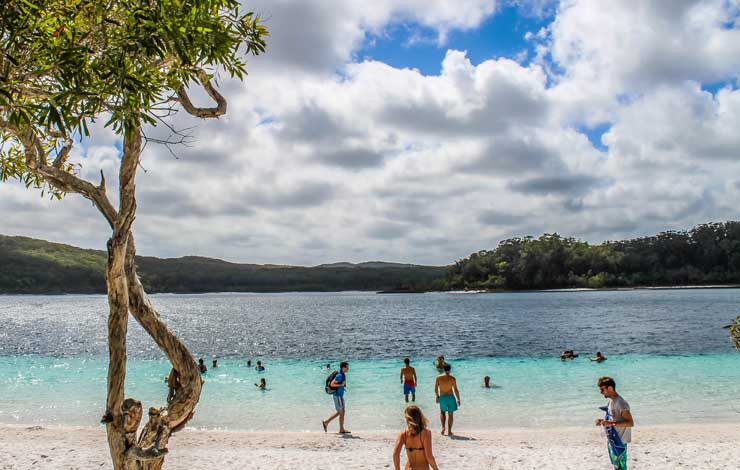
(129,449)
(117,327)
(151,444)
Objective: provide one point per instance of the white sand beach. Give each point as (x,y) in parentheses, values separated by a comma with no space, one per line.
(705,446)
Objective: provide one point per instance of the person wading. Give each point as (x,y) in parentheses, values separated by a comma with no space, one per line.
(448,397)
(408,379)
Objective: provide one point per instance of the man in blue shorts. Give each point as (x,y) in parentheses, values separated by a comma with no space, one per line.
(448,397)
(408,379)
(338,385)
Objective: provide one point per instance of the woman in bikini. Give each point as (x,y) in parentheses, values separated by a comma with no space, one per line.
(418,442)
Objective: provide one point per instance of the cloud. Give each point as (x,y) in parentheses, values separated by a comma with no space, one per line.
(385,230)
(326,157)
(615,48)
(557,185)
(500,218)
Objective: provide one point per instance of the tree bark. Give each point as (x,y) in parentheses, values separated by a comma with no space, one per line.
(117,328)
(174,416)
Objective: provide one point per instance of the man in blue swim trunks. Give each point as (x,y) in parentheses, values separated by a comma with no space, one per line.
(408,379)
(448,397)
(338,384)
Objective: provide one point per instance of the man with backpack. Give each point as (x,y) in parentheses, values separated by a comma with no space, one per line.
(335,385)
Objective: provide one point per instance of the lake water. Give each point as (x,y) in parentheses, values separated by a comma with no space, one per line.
(667,350)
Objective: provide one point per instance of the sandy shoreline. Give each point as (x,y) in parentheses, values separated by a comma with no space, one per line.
(705,446)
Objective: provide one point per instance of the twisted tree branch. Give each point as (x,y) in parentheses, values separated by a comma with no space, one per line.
(61,179)
(205,82)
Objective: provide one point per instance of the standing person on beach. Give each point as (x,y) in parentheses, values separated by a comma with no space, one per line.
(338,384)
(617,423)
(418,442)
(448,397)
(408,379)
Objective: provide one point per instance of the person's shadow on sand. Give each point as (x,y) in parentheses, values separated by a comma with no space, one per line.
(348,436)
(462,438)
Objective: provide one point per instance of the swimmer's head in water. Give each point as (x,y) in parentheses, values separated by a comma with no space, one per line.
(447,368)
(486,380)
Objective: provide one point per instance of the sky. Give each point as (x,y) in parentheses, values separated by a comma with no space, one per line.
(420,131)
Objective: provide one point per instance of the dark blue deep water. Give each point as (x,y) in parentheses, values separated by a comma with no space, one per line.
(366,325)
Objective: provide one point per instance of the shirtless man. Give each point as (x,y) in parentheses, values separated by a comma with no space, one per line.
(408,379)
(448,397)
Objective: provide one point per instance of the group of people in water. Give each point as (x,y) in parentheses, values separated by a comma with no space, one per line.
(569,354)
(261,385)
(417,438)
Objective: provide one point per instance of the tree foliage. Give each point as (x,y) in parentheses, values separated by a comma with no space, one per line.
(706,254)
(67,63)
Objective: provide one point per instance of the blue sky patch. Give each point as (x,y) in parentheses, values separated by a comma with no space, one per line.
(594,134)
(411,45)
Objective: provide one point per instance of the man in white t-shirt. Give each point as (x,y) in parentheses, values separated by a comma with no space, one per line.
(618,423)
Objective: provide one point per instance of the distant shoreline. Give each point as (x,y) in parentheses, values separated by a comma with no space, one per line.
(395,292)
(567,289)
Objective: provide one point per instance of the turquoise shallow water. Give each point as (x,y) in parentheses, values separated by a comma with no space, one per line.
(667,350)
(539,392)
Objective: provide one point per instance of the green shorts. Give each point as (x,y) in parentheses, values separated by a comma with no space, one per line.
(447,403)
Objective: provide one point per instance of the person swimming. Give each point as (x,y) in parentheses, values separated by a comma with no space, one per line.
(440,363)
(259,367)
(599,357)
(249,363)
(487,383)
(262,385)
(215,364)
(568,354)
(173,384)
(202,366)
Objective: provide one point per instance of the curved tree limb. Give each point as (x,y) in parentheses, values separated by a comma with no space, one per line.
(37,163)
(184,99)
(180,409)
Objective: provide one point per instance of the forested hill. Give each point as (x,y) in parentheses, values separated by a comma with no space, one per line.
(29,266)
(705,255)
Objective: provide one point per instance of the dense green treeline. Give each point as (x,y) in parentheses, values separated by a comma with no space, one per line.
(29,266)
(706,254)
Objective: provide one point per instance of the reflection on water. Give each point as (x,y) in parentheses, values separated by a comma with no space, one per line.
(362,325)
